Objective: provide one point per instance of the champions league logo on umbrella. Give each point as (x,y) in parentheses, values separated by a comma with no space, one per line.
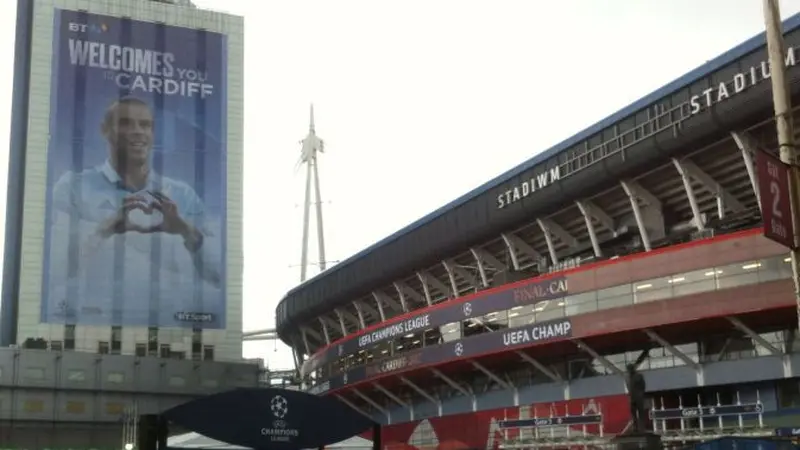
(279,407)
(279,433)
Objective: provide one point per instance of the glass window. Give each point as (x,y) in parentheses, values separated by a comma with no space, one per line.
(76,375)
(114,408)
(116,377)
(451,331)
(34,406)
(614,302)
(580,303)
(693,282)
(520,316)
(614,291)
(74,407)
(739,274)
(653,289)
(775,269)
(552,309)
(34,373)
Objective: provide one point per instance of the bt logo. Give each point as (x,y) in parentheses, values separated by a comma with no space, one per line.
(87,28)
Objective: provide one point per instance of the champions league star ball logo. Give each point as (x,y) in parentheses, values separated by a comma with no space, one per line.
(279,407)
(279,431)
(467,309)
(458,349)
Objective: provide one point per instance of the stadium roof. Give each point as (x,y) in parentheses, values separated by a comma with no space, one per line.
(706,69)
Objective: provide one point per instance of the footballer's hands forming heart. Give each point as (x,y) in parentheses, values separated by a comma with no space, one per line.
(135,214)
(172,223)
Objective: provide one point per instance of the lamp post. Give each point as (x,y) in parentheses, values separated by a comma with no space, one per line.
(782,101)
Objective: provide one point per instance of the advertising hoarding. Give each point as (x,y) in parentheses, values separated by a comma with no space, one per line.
(482,344)
(135,228)
(520,294)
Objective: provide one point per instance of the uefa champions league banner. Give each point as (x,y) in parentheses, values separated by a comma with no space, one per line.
(135,224)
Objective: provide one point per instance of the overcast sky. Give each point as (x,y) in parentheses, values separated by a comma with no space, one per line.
(420,101)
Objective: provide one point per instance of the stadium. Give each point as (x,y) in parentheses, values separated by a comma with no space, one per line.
(508,316)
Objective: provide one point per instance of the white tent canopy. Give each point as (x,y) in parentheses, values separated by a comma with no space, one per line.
(196,440)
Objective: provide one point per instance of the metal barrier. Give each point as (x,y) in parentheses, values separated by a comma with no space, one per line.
(682,427)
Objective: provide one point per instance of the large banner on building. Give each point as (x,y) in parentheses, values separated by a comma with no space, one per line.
(136,183)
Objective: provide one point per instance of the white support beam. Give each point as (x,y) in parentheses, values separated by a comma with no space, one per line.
(382,298)
(436,284)
(350,404)
(712,185)
(451,276)
(637,213)
(391,396)
(512,251)
(305,340)
(313,334)
(587,218)
(644,195)
(488,258)
(541,367)
(492,375)
(420,391)
(598,214)
(451,382)
(548,238)
(348,315)
(366,307)
(671,348)
(394,304)
(522,246)
(371,402)
(334,324)
(379,304)
(325,331)
(744,142)
(401,294)
(754,336)
(359,311)
(699,223)
(481,268)
(463,273)
(601,359)
(340,316)
(560,233)
(423,279)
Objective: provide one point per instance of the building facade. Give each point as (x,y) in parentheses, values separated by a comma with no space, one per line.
(122,284)
(43,106)
(508,318)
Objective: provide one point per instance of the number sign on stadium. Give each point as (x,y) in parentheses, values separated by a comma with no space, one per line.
(776,207)
(526,293)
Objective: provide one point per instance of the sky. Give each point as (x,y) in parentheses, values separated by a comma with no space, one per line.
(419,102)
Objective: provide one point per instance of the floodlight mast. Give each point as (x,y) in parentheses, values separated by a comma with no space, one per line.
(312,146)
